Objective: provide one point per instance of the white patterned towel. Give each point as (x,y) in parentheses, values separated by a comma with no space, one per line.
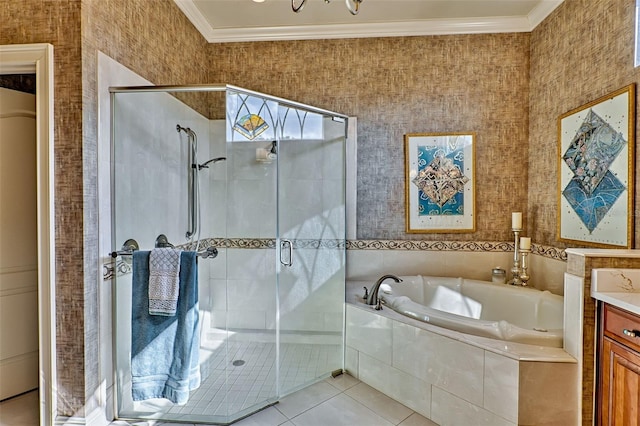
(164,281)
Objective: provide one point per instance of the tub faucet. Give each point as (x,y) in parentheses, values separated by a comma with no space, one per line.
(372,297)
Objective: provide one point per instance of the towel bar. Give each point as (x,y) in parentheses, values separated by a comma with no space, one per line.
(131,245)
(127,249)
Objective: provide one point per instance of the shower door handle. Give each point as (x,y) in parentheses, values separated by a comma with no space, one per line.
(286,244)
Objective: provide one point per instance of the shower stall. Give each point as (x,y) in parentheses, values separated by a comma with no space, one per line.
(256,185)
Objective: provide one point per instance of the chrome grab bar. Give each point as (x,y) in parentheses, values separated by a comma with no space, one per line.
(193,216)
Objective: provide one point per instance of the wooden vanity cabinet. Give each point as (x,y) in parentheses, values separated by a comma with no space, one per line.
(618,367)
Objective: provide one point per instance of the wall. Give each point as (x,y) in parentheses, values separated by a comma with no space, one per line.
(394,86)
(582,51)
(244,209)
(58,23)
(407,85)
(133,35)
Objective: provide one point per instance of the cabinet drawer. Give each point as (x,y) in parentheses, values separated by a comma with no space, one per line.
(622,326)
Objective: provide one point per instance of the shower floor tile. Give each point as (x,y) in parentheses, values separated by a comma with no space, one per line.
(239,375)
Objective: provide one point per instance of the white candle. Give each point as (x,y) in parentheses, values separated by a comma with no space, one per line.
(516,220)
(525,243)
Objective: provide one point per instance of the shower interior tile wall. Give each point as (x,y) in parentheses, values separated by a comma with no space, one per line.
(152,161)
(242,292)
(151,164)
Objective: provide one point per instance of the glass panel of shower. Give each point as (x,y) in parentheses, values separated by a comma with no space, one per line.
(311,226)
(255,185)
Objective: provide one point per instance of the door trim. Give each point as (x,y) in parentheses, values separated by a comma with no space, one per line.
(38,58)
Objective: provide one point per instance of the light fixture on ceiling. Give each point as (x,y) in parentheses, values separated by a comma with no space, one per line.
(352,5)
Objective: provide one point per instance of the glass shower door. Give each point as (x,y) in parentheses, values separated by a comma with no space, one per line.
(311,230)
(150,181)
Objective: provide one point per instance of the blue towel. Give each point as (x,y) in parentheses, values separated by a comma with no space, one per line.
(164,350)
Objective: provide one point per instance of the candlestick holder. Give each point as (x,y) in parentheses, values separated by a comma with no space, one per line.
(524,276)
(516,271)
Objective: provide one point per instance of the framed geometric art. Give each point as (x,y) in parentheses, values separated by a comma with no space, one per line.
(596,166)
(439,182)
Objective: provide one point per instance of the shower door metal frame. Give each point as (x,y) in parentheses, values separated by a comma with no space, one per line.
(224,88)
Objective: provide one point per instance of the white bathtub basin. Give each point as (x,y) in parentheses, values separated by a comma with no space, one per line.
(499,311)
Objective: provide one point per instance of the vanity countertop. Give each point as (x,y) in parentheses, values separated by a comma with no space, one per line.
(617,287)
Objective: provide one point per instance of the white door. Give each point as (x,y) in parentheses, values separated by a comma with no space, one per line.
(18,244)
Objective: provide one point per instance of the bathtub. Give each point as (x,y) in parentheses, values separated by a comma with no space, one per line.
(481,308)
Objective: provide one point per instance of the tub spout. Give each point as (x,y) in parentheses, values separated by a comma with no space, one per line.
(372,298)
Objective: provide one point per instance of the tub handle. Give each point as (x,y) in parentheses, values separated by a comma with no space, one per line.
(631,333)
(366,293)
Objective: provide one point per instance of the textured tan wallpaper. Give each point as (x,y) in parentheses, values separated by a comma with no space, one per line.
(58,23)
(394,86)
(583,51)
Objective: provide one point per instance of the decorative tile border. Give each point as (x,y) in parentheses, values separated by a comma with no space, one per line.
(243,243)
(475,246)
(265,243)
(116,268)
(121,267)
(480,246)
(550,252)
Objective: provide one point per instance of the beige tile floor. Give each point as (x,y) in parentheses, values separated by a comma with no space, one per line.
(21,410)
(340,401)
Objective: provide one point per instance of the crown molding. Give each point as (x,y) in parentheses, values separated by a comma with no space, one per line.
(540,12)
(386,29)
(390,29)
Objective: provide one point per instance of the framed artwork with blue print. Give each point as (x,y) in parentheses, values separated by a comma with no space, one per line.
(596,172)
(440,182)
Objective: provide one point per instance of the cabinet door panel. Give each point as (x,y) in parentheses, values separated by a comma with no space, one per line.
(620,385)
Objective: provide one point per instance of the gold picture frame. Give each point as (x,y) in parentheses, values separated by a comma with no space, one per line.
(596,145)
(440,182)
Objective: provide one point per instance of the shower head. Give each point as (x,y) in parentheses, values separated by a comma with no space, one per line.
(268,154)
(205,165)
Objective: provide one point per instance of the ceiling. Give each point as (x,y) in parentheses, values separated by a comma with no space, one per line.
(222,21)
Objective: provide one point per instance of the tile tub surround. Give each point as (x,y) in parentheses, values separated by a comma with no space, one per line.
(469,259)
(500,384)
